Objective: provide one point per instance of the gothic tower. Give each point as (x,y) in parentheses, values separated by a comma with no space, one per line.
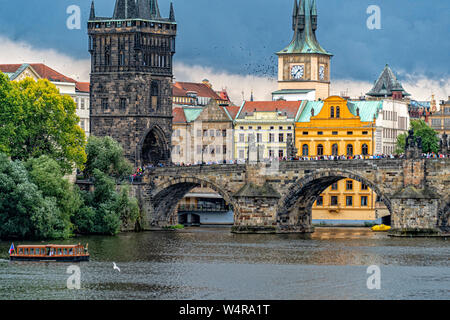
(131,79)
(303,66)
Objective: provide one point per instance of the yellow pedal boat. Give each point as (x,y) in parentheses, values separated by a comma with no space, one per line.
(381,227)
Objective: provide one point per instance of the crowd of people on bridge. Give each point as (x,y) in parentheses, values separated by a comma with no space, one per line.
(140,171)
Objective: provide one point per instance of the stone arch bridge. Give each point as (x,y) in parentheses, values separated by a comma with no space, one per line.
(278,197)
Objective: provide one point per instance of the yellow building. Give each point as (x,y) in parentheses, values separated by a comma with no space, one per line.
(332,128)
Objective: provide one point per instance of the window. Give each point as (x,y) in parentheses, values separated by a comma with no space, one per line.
(338,112)
(104,103)
(349,185)
(121,59)
(123,103)
(350,133)
(241,154)
(271,137)
(271,128)
(224,133)
(305,133)
(281,128)
(154,94)
(259,127)
(334,201)
(320,150)
(332,112)
(349,201)
(218,133)
(280,153)
(320,133)
(82,124)
(241,137)
(334,133)
(258,137)
(335,150)
(289,128)
(305,150)
(319,201)
(365,150)
(334,186)
(199,149)
(363,201)
(224,149)
(82,104)
(365,133)
(250,128)
(349,150)
(281,137)
(364,186)
(242,128)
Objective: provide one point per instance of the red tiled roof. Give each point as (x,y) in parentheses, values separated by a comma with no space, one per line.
(178,115)
(233,110)
(177,92)
(42,70)
(202,89)
(9,68)
(82,86)
(290,107)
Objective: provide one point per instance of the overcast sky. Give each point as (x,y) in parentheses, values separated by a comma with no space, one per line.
(240,37)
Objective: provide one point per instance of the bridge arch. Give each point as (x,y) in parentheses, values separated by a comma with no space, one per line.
(166,197)
(295,207)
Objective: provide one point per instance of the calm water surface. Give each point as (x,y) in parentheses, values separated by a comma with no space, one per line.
(212,263)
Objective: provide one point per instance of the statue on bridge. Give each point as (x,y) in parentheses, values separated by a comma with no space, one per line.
(444,144)
(413,146)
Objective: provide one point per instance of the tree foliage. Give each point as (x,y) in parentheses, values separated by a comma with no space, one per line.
(25,212)
(35,120)
(430,140)
(106,155)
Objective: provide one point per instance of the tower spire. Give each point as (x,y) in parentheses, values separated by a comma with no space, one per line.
(294,16)
(92,14)
(314,15)
(125,9)
(301,15)
(172,13)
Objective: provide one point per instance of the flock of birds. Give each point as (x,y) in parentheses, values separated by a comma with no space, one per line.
(260,65)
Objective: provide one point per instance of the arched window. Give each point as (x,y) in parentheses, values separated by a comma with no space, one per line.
(365,150)
(349,150)
(338,112)
(335,150)
(320,150)
(305,150)
(332,112)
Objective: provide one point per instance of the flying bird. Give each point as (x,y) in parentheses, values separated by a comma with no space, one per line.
(115,267)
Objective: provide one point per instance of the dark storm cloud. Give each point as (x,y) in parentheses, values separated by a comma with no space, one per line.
(241,36)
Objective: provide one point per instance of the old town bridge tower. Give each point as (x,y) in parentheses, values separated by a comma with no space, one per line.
(131,79)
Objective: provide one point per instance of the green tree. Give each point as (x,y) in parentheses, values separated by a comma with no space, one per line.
(106,155)
(49,178)
(99,213)
(35,120)
(430,140)
(24,211)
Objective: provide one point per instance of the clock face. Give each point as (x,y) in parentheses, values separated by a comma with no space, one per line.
(322,72)
(297,72)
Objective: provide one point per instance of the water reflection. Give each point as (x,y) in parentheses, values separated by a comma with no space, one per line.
(212,263)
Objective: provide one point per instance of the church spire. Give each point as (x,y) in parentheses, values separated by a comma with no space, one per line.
(172,13)
(92,14)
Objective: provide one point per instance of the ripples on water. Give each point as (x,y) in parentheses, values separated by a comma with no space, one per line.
(212,263)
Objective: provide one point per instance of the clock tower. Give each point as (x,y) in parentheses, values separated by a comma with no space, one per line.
(303,66)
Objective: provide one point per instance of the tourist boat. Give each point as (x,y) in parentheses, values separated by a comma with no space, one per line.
(49,252)
(381,227)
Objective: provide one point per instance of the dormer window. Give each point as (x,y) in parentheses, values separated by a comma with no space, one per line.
(332,112)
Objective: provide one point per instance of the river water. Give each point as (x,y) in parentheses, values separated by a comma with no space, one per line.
(212,263)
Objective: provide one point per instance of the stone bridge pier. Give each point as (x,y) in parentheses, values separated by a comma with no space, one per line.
(278,197)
